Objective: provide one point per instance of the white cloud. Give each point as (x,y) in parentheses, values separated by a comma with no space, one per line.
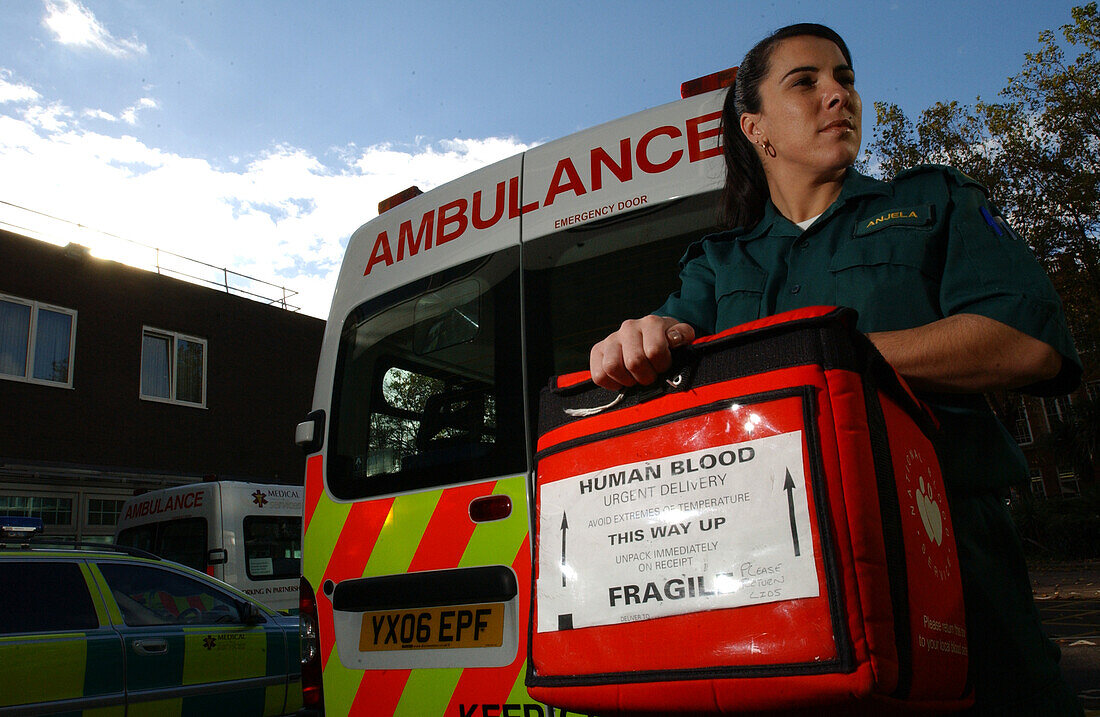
(11,92)
(100,114)
(283,217)
(53,117)
(75,25)
(129,115)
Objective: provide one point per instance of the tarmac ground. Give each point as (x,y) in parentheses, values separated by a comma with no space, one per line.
(1068,597)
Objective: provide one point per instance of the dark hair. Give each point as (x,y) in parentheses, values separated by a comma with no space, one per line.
(746,191)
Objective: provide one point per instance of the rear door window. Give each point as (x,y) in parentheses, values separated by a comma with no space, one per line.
(428,388)
(581,283)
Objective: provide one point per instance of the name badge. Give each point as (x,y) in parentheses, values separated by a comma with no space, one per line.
(918,216)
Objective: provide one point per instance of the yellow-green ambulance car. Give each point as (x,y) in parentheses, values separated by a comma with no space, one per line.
(102,631)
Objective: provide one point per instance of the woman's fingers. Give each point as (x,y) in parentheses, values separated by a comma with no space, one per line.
(638,352)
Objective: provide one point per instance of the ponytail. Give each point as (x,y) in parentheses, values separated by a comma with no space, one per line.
(746,190)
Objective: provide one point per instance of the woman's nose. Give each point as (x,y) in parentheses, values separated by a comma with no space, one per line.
(836,94)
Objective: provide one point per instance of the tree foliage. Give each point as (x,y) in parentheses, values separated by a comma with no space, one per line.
(1037,150)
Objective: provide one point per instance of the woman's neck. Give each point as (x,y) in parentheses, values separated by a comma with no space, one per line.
(798,198)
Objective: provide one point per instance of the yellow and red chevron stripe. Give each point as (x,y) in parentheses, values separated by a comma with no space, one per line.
(429,530)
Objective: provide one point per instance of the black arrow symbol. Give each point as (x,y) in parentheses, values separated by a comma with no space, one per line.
(788,485)
(564,527)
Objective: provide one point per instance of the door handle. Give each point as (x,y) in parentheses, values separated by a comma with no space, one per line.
(154,646)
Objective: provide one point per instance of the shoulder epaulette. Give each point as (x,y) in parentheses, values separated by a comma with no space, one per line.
(695,248)
(954,175)
(726,234)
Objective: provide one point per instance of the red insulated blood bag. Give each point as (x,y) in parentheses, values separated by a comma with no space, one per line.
(765,528)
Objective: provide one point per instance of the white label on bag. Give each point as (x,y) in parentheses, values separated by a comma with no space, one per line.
(721,527)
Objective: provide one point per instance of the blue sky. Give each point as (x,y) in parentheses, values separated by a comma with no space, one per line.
(260,135)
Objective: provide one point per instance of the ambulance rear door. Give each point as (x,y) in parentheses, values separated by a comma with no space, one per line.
(416,539)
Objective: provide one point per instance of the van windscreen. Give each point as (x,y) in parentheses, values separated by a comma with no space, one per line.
(183,540)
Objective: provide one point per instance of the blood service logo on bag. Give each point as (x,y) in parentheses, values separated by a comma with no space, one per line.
(926,500)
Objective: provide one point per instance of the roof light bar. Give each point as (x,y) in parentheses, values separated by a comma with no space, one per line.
(708,83)
(399,198)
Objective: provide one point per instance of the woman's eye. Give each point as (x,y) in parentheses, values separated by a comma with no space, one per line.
(804,82)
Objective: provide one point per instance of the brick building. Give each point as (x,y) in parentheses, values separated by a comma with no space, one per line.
(115,379)
(1055,469)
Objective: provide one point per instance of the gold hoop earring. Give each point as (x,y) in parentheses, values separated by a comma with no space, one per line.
(768,148)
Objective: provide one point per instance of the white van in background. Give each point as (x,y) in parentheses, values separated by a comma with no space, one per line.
(247,534)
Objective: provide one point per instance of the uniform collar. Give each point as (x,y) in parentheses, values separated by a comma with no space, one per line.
(775,224)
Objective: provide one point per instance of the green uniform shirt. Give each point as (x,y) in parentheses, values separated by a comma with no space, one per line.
(903,254)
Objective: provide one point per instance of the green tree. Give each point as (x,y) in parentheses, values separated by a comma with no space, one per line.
(1038,151)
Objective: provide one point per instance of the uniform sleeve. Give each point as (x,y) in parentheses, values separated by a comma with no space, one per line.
(694,303)
(990,271)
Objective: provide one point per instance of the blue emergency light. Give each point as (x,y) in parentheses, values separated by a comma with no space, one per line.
(19,527)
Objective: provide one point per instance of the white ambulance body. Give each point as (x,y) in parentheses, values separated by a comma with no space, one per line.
(451,311)
(246,534)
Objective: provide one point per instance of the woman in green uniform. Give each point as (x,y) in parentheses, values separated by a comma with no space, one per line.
(949,294)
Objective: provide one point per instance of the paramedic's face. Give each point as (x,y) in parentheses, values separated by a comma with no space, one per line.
(810,111)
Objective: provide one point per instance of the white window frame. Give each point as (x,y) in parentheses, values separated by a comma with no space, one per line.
(1021,413)
(1036,484)
(32,336)
(175,337)
(32,494)
(1067,475)
(1058,412)
(86,524)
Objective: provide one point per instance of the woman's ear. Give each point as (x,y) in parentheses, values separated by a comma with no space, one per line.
(750,127)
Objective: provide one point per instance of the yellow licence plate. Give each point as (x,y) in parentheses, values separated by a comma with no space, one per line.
(433,628)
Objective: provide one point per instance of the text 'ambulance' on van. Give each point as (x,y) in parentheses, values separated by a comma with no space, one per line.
(246,534)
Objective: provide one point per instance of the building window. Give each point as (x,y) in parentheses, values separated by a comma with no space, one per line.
(1057,410)
(173,367)
(1019,422)
(1092,388)
(1067,481)
(36,342)
(53,511)
(103,511)
(1038,488)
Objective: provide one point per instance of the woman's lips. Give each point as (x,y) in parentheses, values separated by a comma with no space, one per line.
(843,125)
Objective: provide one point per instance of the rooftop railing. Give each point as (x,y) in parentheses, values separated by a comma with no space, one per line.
(55,230)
